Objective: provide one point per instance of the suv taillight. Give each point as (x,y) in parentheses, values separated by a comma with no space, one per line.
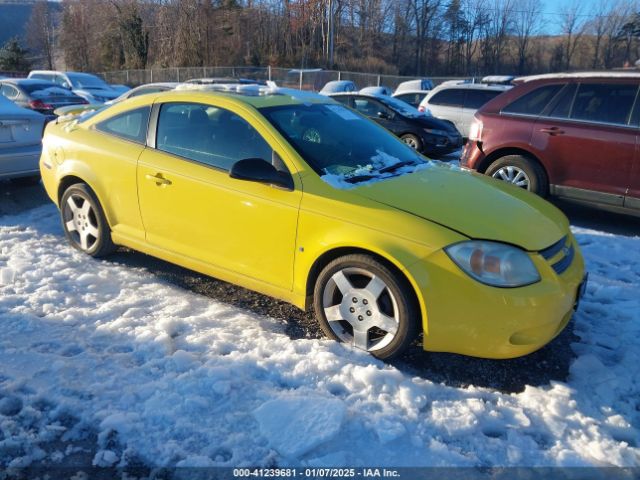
(475,130)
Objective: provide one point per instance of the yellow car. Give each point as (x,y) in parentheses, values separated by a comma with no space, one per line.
(296,196)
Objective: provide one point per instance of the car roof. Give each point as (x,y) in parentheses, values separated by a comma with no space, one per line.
(258,96)
(472,86)
(26,81)
(409,92)
(553,76)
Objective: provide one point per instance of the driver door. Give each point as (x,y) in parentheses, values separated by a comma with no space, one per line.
(192,207)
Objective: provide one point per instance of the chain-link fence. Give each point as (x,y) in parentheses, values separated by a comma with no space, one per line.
(312,79)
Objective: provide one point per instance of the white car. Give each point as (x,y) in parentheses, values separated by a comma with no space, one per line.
(380,90)
(413,91)
(338,86)
(20,141)
(90,87)
(144,89)
(458,102)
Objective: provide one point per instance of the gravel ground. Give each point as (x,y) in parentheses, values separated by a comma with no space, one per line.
(550,363)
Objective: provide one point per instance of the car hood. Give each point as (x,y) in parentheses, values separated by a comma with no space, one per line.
(474,205)
(428,121)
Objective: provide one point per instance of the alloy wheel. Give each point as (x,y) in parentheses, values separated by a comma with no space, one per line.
(80,222)
(361,309)
(513,175)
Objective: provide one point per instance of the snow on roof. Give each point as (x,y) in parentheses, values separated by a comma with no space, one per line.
(617,74)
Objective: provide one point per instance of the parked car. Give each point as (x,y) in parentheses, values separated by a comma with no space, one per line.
(304,199)
(424,133)
(413,91)
(379,90)
(20,141)
(144,90)
(570,135)
(458,101)
(90,87)
(337,86)
(39,95)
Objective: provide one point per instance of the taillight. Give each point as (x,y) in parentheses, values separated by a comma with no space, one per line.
(475,130)
(421,109)
(40,105)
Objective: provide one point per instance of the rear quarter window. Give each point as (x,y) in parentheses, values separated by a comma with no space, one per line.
(534,102)
(604,103)
(131,125)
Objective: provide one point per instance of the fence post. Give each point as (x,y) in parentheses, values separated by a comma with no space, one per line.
(300,79)
(378,80)
(151,75)
(269,72)
(127,77)
(178,73)
(339,75)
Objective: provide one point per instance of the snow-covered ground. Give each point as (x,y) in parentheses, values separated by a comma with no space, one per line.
(105,358)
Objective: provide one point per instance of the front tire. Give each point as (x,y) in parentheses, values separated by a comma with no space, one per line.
(413,141)
(360,301)
(84,222)
(521,172)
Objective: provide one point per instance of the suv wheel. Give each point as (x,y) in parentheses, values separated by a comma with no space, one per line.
(521,172)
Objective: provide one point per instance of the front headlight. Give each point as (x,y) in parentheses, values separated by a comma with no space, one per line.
(493,263)
(433,131)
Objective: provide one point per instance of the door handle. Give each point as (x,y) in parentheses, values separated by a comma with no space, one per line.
(552,131)
(158,178)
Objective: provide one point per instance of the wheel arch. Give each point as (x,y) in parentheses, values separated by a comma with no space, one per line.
(392,264)
(503,152)
(71,179)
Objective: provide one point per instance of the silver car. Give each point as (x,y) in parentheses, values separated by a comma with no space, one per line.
(20,141)
(459,101)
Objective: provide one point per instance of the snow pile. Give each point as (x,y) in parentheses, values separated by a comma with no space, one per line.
(105,360)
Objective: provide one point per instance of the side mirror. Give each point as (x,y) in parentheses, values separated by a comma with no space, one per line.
(384,115)
(261,171)
(66,85)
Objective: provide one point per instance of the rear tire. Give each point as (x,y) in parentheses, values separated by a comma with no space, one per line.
(522,172)
(359,300)
(84,222)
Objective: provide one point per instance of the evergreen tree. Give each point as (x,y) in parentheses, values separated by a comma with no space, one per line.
(13,58)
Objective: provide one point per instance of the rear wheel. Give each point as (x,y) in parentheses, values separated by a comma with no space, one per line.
(359,301)
(521,172)
(84,222)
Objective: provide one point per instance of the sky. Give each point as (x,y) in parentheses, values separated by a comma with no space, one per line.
(553,11)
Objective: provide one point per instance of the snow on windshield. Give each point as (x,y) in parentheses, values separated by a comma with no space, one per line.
(378,162)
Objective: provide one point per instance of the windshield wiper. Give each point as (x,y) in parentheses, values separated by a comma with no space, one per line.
(396,166)
(359,178)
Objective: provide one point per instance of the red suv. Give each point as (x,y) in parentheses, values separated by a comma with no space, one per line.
(569,135)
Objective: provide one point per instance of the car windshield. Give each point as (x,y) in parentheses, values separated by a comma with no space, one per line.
(335,140)
(84,80)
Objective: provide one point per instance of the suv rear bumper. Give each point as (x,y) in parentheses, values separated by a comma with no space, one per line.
(472,155)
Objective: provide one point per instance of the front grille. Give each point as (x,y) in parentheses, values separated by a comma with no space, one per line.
(564,246)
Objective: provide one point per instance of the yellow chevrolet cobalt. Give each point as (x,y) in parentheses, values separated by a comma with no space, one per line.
(296,196)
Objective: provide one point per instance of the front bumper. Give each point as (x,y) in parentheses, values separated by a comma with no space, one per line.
(466,317)
(437,145)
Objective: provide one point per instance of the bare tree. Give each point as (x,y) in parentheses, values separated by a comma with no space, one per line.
(526,21)
(573,25)
(41,32)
